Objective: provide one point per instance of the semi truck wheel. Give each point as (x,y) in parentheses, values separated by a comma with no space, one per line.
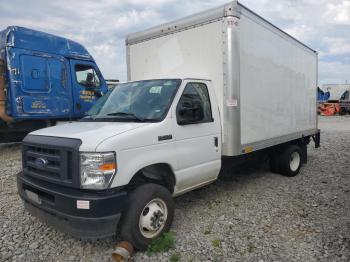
(149,214)
(342,111)
(290,161)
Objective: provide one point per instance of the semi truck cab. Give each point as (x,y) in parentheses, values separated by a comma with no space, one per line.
(45,79)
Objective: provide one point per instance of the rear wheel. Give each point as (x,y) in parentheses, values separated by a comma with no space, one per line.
(274,160)
(149,214)
(290,161)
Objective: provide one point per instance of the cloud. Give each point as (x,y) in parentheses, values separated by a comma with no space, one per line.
(337,45)
(101,26)
(334,72)
(302,32)
(339,13)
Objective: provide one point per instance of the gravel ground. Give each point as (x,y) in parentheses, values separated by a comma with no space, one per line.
(255,216)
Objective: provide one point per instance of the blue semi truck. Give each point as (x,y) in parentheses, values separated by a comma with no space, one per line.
(44,79)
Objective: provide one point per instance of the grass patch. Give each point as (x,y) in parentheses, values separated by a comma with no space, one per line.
(216,242)
(207,232)
(162,243)
(251,248)
(175,257)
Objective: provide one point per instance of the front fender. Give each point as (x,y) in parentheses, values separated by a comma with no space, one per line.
(130,161)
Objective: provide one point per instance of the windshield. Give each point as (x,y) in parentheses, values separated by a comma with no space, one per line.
(147,100)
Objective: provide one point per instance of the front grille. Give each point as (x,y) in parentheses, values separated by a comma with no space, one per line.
(53,160)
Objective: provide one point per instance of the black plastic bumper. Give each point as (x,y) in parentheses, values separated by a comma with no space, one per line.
(61,207)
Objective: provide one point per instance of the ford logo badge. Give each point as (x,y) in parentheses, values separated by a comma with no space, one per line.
(41,162)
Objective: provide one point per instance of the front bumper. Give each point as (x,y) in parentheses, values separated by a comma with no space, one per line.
(57,205)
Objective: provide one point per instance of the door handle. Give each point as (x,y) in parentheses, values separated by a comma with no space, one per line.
(216,141)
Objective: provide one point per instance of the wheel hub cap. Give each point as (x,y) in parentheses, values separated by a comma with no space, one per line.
(294,161)
(152,218)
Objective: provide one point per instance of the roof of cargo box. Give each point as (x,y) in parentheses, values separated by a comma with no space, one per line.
(231,9)
(25,38)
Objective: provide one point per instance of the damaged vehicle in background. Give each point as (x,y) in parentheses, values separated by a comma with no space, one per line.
(44,79)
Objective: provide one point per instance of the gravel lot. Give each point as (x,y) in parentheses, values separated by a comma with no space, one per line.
(255,216)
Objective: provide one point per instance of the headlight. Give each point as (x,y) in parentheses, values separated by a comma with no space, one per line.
(97,170)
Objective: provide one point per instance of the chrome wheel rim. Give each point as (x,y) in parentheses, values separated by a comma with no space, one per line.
(153,217)
(294,161)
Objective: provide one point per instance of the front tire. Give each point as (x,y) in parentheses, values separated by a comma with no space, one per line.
(149,214)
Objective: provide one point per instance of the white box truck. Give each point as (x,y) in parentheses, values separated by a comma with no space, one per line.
(204,92)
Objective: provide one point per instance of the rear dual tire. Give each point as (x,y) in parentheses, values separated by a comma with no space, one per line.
(287,161)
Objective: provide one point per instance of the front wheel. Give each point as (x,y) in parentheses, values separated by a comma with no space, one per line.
(149,214)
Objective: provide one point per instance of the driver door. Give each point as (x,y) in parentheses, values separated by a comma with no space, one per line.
(86,85)
(197,135)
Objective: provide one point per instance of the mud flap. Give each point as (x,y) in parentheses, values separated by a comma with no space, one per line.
(317,139)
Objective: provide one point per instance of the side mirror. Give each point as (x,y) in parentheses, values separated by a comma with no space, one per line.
(190,113)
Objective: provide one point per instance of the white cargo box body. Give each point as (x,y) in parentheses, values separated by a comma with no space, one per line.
(264,79)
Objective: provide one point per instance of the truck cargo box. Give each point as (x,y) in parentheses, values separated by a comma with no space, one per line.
(265,80)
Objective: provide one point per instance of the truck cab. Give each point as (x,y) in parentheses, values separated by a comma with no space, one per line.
(46,79)
(163,135)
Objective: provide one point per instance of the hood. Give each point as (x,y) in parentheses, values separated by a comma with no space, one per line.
(90,133)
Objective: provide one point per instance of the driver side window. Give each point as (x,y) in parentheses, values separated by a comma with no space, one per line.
(194,105)
(87,76)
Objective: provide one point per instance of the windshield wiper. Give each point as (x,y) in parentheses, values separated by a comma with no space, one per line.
(132,115)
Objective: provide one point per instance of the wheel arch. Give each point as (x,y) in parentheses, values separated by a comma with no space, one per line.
(158,173)
(300,142)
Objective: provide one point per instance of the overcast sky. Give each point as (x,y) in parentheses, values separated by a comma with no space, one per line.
(101,26)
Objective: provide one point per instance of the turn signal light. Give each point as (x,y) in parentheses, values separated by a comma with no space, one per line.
(108,167)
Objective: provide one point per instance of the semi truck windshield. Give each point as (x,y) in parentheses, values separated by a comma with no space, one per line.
(147,100)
